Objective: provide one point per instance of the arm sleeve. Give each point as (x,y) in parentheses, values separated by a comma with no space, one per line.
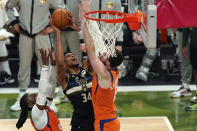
(39,117)
(52,81)
(42,87)
(47,85)
(185,37)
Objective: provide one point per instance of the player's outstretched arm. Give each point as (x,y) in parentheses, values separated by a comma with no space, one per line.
(46,90)
(42,85)
(90,47)
(52,70)
(38,114)
(104,78)
(98,67)
(52,80)
(87,38)
(59,56)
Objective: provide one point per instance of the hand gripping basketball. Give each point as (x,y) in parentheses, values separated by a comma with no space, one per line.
(61,18)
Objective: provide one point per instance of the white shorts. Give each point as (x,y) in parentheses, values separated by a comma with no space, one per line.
(39,117)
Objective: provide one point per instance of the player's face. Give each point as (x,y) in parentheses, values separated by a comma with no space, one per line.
(70,59)
(31,99)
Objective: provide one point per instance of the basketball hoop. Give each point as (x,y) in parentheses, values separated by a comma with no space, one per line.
(104,27)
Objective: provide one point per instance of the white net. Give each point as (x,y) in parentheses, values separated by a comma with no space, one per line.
(104,34)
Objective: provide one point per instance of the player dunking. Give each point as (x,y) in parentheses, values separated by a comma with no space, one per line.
(104,84)
(76,83)
(42,117)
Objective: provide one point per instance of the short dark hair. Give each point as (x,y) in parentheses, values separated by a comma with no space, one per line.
(66,52)
(116,60)
(24,111)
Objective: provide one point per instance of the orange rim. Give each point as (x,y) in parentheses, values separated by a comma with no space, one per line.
(126,17)
(118,20)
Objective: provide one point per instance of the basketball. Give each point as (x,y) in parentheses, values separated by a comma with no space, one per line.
(60,18)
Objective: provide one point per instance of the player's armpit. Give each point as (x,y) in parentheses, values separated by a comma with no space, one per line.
(104,81)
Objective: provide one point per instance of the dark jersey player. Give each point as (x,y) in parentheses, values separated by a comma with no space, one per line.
(77,86)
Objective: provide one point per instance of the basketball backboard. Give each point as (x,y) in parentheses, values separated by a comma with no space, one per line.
(148,27)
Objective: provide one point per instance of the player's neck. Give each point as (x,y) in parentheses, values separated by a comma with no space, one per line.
(74,70)
(108,67)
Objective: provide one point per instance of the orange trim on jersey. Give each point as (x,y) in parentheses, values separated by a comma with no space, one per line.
(107,125)
(103,99)
(53,123)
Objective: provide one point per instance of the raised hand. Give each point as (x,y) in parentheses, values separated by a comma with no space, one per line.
(44,57)
(73,21)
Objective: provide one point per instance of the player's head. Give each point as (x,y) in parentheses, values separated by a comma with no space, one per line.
(70,59)
(26,103)
(112,61)
(116,60)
